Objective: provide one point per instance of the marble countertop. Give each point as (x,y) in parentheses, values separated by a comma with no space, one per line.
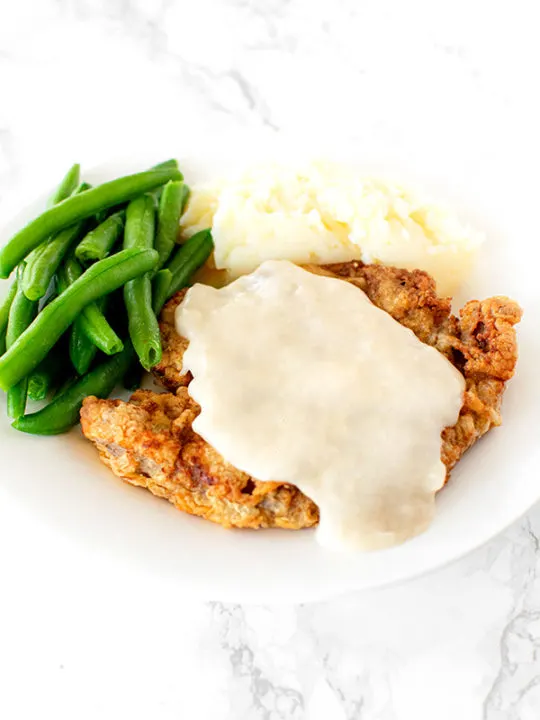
(85,78)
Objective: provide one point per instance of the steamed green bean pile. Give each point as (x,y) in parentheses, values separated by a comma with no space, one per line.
(91,274)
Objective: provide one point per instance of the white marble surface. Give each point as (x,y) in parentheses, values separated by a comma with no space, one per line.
(85,78)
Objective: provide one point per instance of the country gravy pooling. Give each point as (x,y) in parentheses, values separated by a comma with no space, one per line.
(302,380)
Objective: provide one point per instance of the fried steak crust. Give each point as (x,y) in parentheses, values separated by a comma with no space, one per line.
(149,441)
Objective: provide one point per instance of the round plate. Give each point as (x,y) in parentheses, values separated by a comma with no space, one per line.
(62,480)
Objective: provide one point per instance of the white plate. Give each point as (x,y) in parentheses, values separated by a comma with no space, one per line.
(62,480)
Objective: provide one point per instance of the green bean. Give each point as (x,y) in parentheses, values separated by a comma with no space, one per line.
(133,375)
(99,242)
(143,325)
(142,322)
(187,248)
(67,185)
(102,215)
(99,280)
(64,411)
(91,321)
(48,374)
(167,165)
(43,262)
(4,315)
(185,196)
(170,210)
(81,350)
(79,207)
(67,382)
(21,314)
(39,384)
(188,258)
(140,223)
(160,289)
(156,194)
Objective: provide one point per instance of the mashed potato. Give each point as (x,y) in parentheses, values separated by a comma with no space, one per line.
(323,214)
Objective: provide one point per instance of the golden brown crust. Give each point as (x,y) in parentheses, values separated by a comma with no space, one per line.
(408,296)
(169,370)
(150,442)
(485,350)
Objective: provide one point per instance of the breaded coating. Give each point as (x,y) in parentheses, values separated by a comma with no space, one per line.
(149,441)
(169,370)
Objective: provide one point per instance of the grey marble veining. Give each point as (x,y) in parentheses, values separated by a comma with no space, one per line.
(463,642)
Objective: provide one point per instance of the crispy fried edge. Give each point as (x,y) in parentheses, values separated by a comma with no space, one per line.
(149,442)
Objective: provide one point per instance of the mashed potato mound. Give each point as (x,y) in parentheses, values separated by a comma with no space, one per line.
(324,213)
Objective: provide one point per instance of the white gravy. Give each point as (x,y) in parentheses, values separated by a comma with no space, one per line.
(302,380)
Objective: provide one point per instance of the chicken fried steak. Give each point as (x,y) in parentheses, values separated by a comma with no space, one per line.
(149,441)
